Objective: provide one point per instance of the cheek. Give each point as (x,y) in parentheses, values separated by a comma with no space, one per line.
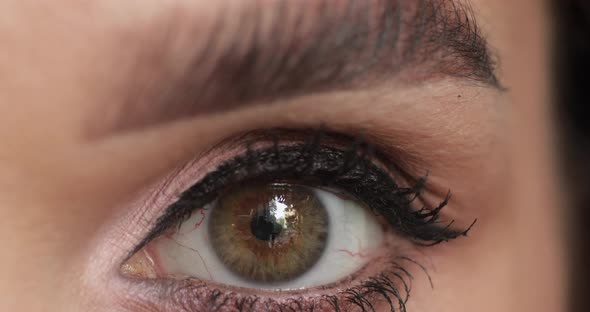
(472,275)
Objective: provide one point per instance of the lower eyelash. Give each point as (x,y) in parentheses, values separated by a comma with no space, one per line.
(390,288)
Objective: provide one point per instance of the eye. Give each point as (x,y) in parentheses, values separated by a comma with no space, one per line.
(272,235)
(292,215)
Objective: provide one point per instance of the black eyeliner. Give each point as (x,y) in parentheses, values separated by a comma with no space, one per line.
(347,169)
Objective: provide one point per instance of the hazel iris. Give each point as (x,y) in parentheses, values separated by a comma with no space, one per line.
(270,232)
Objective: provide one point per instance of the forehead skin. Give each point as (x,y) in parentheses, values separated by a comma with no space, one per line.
(61,60)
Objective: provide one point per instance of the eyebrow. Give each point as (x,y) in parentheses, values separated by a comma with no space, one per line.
(305,49)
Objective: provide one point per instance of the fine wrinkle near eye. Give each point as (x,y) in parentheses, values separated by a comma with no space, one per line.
(294,216)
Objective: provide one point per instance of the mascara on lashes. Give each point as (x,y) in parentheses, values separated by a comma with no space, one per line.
(349,170)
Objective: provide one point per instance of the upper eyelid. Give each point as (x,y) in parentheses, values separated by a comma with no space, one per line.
(155,152)
(164,221)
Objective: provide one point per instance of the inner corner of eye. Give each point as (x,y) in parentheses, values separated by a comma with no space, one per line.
(139,265)
(266,235)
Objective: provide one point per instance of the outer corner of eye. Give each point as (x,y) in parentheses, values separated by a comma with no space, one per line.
(269,236)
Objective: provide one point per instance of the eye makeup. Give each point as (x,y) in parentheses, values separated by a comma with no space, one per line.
(348,168)
(315,158)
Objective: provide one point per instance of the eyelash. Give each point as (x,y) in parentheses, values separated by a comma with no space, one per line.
(363,296)
(350,169)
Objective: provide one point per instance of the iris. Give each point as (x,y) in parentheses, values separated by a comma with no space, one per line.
(271,232)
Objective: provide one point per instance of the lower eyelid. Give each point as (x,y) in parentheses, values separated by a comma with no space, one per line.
(390,274)
(188,294)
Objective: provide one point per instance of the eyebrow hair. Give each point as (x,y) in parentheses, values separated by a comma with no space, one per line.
(280,49)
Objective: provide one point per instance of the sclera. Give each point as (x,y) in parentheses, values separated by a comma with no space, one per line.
(354,236)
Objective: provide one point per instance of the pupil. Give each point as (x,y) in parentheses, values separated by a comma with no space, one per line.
(264,228)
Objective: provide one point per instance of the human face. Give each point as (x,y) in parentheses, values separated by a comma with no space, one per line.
(112,110)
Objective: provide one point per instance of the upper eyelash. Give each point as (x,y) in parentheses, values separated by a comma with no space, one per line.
(299,160)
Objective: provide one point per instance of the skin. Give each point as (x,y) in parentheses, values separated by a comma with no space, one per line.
(66,175)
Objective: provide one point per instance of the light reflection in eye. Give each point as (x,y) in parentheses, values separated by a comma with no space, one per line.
(282,226)
(257,243)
